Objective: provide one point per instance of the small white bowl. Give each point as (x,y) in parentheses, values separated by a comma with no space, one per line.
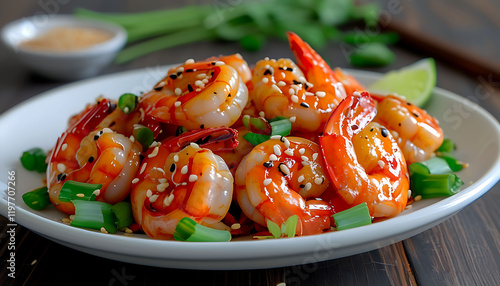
(70,65)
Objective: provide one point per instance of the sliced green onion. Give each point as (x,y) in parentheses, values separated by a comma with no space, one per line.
(453,163)
(188,230)
(94,215)
(123,214)
(254,124)
(371,54)
(432,186)
(72,191)
(435,165)
(446,146)
(353,217)
(37,199)
(143,135)
(279,126)
(34,160)
(128,102)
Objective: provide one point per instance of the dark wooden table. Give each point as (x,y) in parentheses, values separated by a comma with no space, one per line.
(464,250)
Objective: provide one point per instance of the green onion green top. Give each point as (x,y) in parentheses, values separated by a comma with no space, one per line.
(188,230)
(128,102)
(34,160)
(37,199)
(356,216)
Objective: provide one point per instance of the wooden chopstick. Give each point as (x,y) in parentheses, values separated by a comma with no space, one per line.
(465,60)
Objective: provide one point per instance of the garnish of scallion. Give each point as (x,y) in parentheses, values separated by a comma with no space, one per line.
(188,230)
(353,217)
(279,126)
(37,199)
(94,215)
(128,102)
(143,135)
(123,214)
(72,190)
(34,160)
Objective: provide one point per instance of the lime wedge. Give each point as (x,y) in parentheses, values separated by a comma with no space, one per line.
(415,82)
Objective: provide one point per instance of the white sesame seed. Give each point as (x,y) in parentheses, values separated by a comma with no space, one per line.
(64,146)
(149,193)
(318,181)
(262,114)
(418,198)
(408,207)
(193,178)
(201,75)
(276,137)
(205,81)
(409,193)
(235,226)
(103,230)
(273,157)
(176,158)
(162,187)
(33,262)
(177,103)
(320,93)
(308,186)
(219,63)
(178,91)
(305,163)
(301,179)
(154,153)
(277,150)
(307,93)
(275,88)
(265,80)
(66,220)
(128,230)
(72,217)
(284,169)
(291,91)
(289,152)
(162,180)
(184,184)
(381,163)
(96,192)
(283,74)
(189,61)
(184,170)
(61,167)
(194,145)
(199,83)
(292,119)
(304,158)
(294,98)
(286,142)
(302,151)
(80,195)
(153,198)
(143,168)
(281,83)
(267,182)
(315,156)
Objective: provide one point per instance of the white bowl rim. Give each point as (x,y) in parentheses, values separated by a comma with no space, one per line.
(117,41)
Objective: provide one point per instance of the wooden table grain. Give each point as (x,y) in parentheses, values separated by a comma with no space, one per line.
(463,250)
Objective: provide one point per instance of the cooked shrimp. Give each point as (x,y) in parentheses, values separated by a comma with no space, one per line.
(198,94)
(363,159)
(181,179)
(335,84)
(418,134)
(308,92)
(90,155)
(281,178)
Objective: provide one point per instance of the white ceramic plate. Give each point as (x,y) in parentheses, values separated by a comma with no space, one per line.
(39,121)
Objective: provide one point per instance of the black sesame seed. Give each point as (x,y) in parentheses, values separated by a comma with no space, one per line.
(158,88)
(61,177)
(112,107)
(96,137)
(371,130)
(213,63)
(302,186)
(354,127)
(189,70)
(190,88)
(296,82)
(409,104)
(303,104)
(173,76)
(229,95)
(91,159)
(268,164)
(384,132)
(268,72)
(179,73)
(415,114)
(289,69)
(202,126)
(399,124)
(172,167)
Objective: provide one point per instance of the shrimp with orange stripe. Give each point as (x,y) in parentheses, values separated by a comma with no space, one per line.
(283,177)
(182,177)
(91,152)
(209,93)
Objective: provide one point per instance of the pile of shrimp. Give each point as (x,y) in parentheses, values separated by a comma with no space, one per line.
(346,147)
